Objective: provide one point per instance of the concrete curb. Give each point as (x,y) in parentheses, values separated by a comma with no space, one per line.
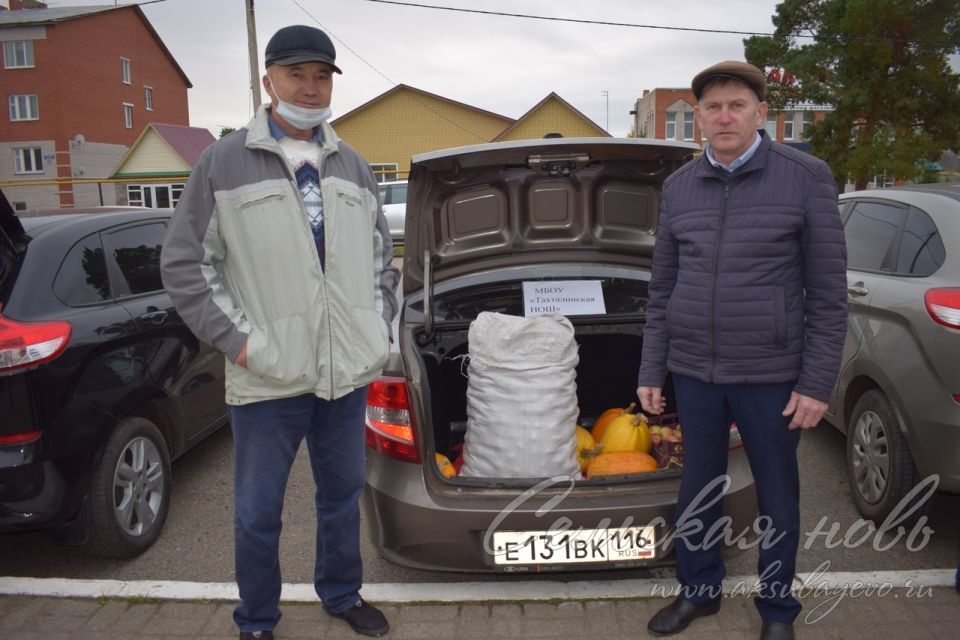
(466,592)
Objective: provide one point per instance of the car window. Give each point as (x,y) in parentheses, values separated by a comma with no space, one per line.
(136,251)
(921,248)
(82,278)
(870,231)
(395,194)
(8,258)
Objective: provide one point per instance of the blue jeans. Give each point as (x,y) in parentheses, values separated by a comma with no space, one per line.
(266,438)
(705,411)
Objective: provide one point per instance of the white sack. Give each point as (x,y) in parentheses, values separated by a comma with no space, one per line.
(521,398)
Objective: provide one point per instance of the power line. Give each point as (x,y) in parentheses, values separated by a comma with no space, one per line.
(458,125)
(605,23)
(346,46)
(608,23)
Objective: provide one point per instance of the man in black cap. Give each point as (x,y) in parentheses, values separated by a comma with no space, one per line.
(747,312)
(279,255)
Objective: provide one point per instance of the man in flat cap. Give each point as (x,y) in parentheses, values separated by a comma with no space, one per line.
(279,256)
(747,312)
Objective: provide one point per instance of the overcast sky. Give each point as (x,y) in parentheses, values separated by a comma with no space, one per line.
(501,64)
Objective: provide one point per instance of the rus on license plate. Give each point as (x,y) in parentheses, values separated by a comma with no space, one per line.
(580,545)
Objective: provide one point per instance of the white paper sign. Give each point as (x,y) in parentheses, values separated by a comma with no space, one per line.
(566,297)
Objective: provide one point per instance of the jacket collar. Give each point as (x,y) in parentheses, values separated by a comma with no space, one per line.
(756,162)
(258,132)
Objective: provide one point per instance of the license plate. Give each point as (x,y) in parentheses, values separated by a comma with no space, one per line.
(580,545)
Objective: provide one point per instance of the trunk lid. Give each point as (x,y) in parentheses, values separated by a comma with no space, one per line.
(556,200)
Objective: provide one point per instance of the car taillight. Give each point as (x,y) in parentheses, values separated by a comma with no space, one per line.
(20,438)
(26,344)
(389,422)
(943,305)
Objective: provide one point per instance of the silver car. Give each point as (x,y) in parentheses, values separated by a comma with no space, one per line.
(898,395)
(488,219)
(393,198)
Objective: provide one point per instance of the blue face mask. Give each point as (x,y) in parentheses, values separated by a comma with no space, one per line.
(302,118)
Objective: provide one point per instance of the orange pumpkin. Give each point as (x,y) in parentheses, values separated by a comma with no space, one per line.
(627,432)
(618,463)
(446,467)
(586,448)
(607,417)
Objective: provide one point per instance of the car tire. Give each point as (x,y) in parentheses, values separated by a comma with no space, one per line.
(130,493)
(880,467)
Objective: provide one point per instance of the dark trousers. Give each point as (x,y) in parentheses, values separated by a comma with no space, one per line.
(705,413)
(266,438)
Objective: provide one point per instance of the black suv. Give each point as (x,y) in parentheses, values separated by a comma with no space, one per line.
(101,383)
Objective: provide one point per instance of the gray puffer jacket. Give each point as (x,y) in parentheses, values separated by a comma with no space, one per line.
(749,275)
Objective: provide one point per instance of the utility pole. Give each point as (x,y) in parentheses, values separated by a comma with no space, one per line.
(606,94)
(254,62)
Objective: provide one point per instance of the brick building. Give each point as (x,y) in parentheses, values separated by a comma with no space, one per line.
(81,84)
(667,114)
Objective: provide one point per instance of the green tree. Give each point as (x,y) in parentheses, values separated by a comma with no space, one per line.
(883,65)
(224,131)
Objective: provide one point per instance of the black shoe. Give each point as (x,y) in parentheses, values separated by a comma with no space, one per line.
(676,616)
(364,618)
(256,635)
(776,631)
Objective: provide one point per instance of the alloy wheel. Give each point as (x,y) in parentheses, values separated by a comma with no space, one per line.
(138,486)
(871,457)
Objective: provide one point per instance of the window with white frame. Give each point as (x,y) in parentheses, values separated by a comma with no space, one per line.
(155,196)
(125,70)
(18,54)
(148,98)
(688,125)
(385,171)
(771,126)
(128,115)
(28,160)
(788,128)
(806,121)
(24,107)
(670,133)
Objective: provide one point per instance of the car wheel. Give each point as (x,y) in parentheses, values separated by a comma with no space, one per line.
(880,466)
(130,495)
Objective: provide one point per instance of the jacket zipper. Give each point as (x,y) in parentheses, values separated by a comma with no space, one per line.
(323,283)
(713,289)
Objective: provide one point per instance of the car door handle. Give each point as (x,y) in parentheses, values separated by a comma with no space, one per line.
(858,290)
(156,316)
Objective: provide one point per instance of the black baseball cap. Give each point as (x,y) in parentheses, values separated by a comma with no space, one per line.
(732,70)
(300,43)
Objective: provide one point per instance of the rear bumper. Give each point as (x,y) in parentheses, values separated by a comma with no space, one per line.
(412,528)
(32,491)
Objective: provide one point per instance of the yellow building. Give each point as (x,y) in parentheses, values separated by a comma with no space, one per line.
(553,116)
(389,129)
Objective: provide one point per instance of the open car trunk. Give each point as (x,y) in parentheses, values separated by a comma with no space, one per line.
(484,220)
(609,348)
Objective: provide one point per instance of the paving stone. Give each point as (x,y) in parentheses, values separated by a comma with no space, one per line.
(427,613)
(474,613)
(19,617)
(220,621)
